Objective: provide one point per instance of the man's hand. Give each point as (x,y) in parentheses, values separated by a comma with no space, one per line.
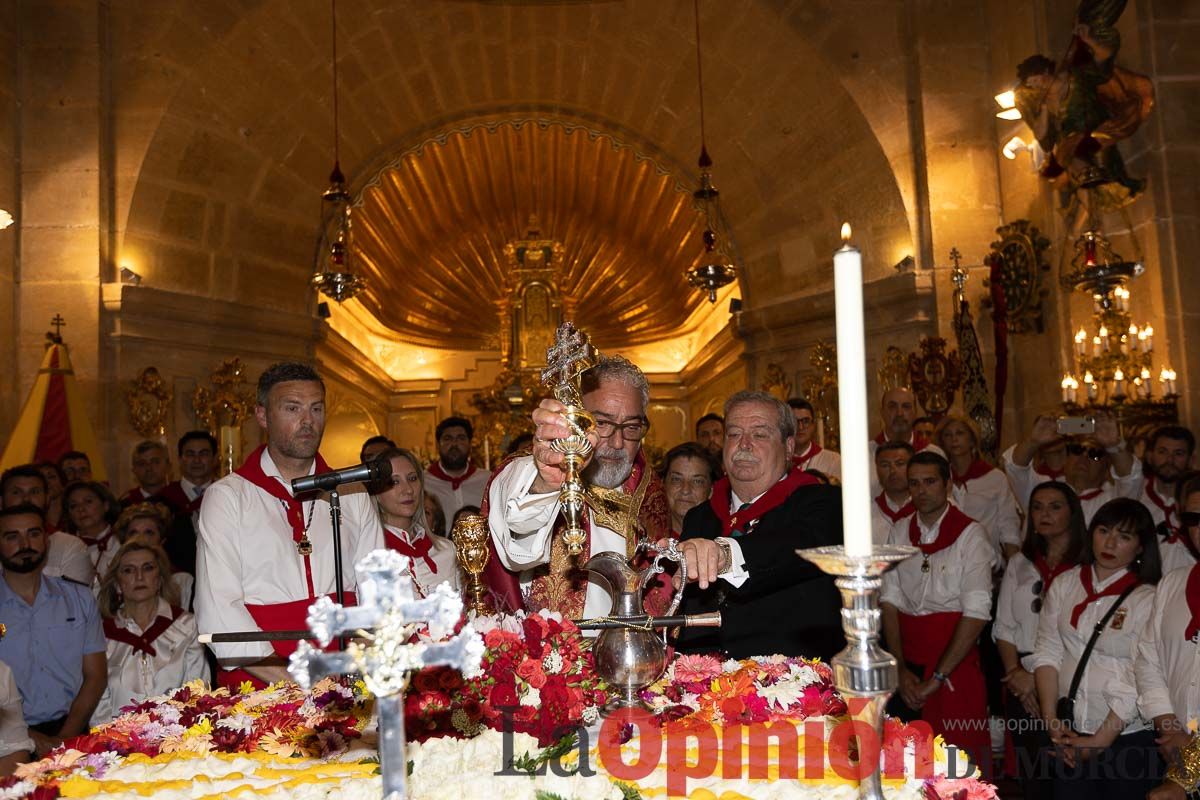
(910,692)
(42,743)
(704,560)
(1171,742)
(1167,790)
(1108,433)
(1045,431)
(550,424)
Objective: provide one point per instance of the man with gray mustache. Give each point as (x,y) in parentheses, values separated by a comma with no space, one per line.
(625,504)
(741,545)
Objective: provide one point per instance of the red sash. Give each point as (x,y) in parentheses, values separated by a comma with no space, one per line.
(251,469)
(918,443)
(418,549)
(1168,512)
(435,469)
(949,529)
(963,697)
(143,642)
(894,516)
(774,497)
(100,542)
(801,462)
(1085,578)
(978,469)
(289,616)
(1048,574)
(1193,601)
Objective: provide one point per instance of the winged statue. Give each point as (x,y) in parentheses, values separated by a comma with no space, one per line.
(1081,107)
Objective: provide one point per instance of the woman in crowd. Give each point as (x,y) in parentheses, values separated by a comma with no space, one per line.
(91,510)
(402,508)
(1054,541)
(435,517)
(54,494)
(689,473)
(150,521)
(980,491)
(152,642)
(1168,660)
(1099,724)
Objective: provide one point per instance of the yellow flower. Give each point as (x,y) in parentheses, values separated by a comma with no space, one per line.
(201,728)
(245,687)
(277,744)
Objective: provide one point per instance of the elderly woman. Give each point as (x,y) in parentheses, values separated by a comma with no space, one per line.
(152,643)
(91,510)
(689,473)
(150,521)
(402,510)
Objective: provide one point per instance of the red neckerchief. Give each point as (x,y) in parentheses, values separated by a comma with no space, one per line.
(894,516)
(1193,601)
(143,641)
(918,443)
(1049,573)
(801,462)
(1168,511)
(435,469)
(949,529)
(1049,474)
(418,549)
(1090,494)
(100,542)
(1085,578)
(251,469)
(978,469)
(773,498)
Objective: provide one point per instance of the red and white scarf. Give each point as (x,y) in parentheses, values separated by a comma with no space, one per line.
(141,642)
(773,498)
(435,469)
(949,529)
(894,516)
(1085,578)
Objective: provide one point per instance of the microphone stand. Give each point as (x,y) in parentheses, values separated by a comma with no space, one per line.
(335,519)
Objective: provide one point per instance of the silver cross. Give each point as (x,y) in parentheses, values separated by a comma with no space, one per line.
(385,657)
(568,358)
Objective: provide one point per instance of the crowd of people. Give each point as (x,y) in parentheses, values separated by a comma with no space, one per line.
(1053,605)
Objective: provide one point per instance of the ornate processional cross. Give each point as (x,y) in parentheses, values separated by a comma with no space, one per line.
(569,357)
(384,657)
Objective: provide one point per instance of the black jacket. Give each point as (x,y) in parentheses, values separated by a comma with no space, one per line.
(787,605)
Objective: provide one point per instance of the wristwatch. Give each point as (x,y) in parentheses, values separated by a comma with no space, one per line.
(726,562)
(941,677)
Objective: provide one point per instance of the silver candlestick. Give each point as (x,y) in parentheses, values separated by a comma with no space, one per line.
(863,669)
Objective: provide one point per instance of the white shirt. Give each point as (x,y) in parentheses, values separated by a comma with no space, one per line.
(101,559)
(442,553)
(1167,667)
(14,736)
(134,676)
(1016,621)
(959,576)
(1175,555)
(245,554)
(468,493)
(827,462)
(989,500)
(67,557)
(1108,682)
(191,490)
(881,523)
(1025,479)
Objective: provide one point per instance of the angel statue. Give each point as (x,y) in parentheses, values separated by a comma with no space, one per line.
(1081,107)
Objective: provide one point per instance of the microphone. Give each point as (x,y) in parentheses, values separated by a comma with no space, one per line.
(368,472)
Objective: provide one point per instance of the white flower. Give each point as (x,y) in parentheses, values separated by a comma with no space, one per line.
(552,663)
(731,665)
(782,694)
(531,698)
(242,723)
(18,789)
(803,675)
(590,714)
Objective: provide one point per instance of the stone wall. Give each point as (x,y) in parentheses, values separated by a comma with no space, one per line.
(10,196)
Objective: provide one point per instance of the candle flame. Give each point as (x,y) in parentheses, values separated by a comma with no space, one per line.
(846,232)
(1081,336)
(1118,375)
(1087,378)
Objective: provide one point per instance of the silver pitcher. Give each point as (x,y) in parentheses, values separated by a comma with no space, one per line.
(631,655)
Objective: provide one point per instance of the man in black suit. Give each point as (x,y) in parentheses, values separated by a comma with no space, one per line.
(741,545)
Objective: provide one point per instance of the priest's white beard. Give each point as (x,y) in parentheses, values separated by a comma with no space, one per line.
(609,468)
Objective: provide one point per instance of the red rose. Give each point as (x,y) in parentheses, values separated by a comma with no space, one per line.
(426,680)
(532,673)
(504,694)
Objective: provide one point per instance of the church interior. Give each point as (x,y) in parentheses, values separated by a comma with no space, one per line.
(509,164)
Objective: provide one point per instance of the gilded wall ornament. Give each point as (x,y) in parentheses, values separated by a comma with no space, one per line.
(893,373)
(1016,264)
(776,383)
(223,408)
(821,389)
(148,399)
(935,375)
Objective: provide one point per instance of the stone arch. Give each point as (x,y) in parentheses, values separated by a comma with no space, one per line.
(224,203)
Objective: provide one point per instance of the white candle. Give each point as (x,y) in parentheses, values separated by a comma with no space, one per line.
(1149,340)
(1081,342)
(1119,383)
(487,453)
(1095,345)
(852,398)
(1090,383)
(1066,389)
(1104,338)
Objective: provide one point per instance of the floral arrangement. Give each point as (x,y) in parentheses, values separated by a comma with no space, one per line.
(282,720)
(537,672)
(763,689)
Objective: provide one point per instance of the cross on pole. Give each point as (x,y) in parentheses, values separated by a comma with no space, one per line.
(569,356)
(958,275)
(59,323)
(389,605)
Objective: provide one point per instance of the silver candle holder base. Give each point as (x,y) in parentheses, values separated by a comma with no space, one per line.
(863,669)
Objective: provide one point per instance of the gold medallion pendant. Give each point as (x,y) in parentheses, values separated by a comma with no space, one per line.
(304,546)
(925,564)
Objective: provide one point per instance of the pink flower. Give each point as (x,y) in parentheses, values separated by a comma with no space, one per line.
(960,789)
(696,668)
